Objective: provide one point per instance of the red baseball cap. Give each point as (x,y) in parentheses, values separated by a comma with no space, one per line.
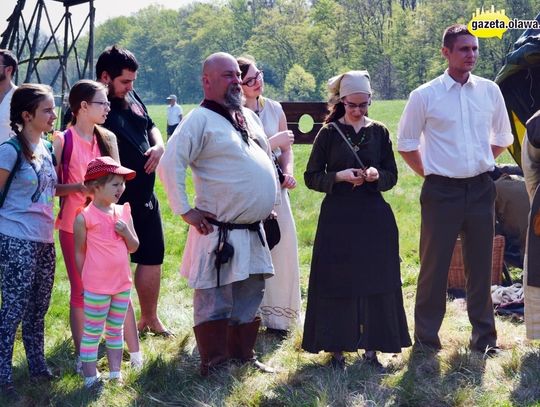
(105,165)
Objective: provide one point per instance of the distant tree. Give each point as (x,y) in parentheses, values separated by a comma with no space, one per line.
(153,45)
(280,40)
(397,41)
(205,29)
(299,84)
(327,48)
(113,31)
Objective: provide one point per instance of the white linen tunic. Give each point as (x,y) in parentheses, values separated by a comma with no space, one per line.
(233,180)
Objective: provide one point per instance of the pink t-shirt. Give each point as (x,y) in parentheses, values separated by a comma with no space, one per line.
(83,152)
(106,264)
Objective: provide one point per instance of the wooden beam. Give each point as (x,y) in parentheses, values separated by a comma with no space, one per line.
(294,111)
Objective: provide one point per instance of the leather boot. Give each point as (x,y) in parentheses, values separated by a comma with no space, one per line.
(233,342)
(211,339)
(246,336)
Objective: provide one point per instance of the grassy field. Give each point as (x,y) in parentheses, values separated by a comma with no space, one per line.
(453,377)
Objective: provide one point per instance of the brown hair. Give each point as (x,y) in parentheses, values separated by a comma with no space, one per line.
(92,184)
(335,112)
(84,91)
(115,59)
(26,98)
(451,33)
(9,59)
(244,62)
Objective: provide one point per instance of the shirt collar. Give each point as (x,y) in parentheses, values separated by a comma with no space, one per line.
(448,81)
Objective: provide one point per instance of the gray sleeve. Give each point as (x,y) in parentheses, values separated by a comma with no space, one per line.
(8,157)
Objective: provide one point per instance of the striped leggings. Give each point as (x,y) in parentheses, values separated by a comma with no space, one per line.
(103,310)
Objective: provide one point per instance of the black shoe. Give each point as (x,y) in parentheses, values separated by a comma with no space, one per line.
(425,350)
(373,362)
(8,392)
(280,333)
(45,376)
(489,351)
(427,347)
(338,363)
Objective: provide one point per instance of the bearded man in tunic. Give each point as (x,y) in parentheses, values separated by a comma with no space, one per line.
(226,258)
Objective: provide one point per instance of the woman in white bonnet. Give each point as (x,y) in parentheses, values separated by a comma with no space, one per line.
(354,296)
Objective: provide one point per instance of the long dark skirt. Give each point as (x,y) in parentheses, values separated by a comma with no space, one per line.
(374,322)
(354,295)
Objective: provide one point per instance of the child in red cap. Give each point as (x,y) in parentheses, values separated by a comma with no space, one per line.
(104,235)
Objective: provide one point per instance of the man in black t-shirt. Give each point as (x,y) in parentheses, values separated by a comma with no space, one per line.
(141,146)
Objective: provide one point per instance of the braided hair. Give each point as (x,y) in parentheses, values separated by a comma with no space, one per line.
(26,98)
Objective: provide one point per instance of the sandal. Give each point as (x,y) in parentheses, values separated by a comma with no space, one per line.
(163,334)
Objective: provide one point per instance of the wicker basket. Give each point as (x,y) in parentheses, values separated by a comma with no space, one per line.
(456,275)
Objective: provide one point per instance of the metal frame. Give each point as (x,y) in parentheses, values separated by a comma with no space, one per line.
(22,38)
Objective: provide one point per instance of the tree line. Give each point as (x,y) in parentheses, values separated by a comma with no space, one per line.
(301,44)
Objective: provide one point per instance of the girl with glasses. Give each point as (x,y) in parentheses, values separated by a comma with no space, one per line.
(354,295)
(280,307)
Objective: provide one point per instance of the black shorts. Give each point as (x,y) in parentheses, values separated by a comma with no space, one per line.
(147,222)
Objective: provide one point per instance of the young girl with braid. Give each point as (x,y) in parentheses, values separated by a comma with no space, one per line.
(104,236)
(27,257)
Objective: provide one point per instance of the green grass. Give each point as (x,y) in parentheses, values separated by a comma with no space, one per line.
(454,377)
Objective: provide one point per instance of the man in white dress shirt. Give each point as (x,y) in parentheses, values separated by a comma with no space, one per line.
(450,133)
(8,67)
(226,258)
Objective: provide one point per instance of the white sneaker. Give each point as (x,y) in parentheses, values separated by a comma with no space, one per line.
(116,377)
(78,366)
(136,365)
(93,382)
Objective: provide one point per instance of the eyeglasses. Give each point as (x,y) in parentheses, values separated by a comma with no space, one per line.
(355,106)
(259,76)
(106,104)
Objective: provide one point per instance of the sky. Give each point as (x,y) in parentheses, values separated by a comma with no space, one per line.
(105,9)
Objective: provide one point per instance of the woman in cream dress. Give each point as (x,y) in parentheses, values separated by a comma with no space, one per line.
(280,307)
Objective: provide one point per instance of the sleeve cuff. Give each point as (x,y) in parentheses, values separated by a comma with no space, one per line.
(502,139)
(408,144)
